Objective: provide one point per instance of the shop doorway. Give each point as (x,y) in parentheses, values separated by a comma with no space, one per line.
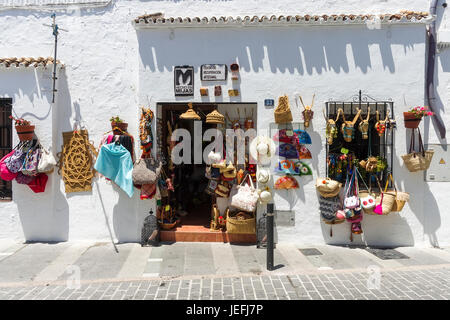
(189,201)
(190,204)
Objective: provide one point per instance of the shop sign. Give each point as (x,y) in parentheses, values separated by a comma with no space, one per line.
(184,80)
(213,72)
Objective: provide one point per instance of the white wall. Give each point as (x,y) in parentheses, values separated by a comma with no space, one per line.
(111,69)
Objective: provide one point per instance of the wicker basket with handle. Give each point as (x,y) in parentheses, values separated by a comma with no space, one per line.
(244,226)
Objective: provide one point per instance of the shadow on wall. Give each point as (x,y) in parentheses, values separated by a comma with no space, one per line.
(293,50)
(45,216)
(396,231)
(126,222)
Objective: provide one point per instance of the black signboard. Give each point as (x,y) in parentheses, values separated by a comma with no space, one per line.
(184,80)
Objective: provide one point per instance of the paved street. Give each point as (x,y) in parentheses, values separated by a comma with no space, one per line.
(83,270)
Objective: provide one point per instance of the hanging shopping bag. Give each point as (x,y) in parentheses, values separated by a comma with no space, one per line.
(351,200)
(14,162)
(247,196)
(366,197)
(417,161)
(385,201)
(146,171)
(400,197)
(282,112)
(47,161)
(5,174)
(31,162)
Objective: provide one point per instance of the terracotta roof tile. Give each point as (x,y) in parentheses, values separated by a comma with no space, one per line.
(27,62)
(159,20)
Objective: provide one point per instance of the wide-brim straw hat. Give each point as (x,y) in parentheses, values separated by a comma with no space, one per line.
(260,141)
(215,117)
(190,114)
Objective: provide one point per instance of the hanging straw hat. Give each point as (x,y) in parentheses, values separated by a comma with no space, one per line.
(262,149)
(215,117)
(190,113)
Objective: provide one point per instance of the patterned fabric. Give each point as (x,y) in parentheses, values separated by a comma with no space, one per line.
(328,207)
(24,179)
(288,151)
(15,162)
(303,152)
(286,182)
(31,162)
(282,136)
(145,130)
(148,191)
(293,167)
(303,137)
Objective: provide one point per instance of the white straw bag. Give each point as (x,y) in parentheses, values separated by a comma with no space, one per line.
(246,198)
(46,162)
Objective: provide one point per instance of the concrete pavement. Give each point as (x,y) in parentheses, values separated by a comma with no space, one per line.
(84,270)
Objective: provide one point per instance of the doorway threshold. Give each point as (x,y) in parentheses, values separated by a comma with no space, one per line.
(202,234)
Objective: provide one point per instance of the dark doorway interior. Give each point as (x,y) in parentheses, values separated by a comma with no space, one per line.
(189,200)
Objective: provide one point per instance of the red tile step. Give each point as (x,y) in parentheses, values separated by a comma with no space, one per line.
(191,233)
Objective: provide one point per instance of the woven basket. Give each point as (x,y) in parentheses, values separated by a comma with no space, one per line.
(282,112)
(246,226)
(416,161)
(400,200)
(168,226)
(387,205)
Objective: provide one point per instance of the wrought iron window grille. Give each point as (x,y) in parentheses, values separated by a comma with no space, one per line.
(381,146)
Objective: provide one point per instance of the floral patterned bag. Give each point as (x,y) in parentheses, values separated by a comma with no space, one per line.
(15,161)
(30,165)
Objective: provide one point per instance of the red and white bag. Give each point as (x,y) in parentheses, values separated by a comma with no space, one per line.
(351,200)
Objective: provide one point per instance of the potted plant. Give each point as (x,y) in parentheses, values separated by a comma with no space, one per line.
(116,122)
(24,129)
(413,117)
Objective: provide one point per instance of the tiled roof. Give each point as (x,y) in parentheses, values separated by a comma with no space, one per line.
(27,62)
(158,20)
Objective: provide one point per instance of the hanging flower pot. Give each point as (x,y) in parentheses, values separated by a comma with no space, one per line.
(413,117)
(116,122)
(24,129)
(25,132)
(412,120)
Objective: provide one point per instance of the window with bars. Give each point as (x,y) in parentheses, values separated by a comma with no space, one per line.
(359,148)
(5,143)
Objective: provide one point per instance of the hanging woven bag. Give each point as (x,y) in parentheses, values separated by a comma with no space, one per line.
(417,161)
(385,202)
(400,197)
(282,112)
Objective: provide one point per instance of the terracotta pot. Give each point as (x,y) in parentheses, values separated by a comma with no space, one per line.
(25,133)
(121,125)
(411,121)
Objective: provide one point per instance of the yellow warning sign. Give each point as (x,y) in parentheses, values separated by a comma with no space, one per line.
(442,161)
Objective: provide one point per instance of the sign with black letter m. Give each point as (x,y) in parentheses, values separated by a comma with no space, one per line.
(184,80)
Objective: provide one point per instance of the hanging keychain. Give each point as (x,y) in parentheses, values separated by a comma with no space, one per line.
(348,127)
(331,131)
(381,124)
(364,125)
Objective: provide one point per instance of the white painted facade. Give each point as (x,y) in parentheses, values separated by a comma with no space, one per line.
(111,69)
